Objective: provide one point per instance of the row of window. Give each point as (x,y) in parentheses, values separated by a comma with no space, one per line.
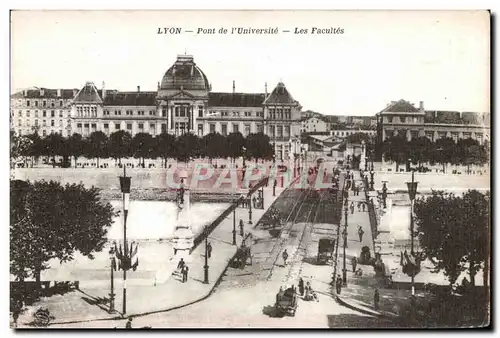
(280,114)
(44,123)
(235,113)
(402,119)
(235,128)
(44,113)
(129,112)
(279,131)
(44,103)
(44,132)
(430,134)
(86,111)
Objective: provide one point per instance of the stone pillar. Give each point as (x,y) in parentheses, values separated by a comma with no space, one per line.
(172,117)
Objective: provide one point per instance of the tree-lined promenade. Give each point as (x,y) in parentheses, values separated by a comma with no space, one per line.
(443,151)
(142,146)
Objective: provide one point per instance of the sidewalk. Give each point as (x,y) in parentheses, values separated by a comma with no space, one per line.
(92,304)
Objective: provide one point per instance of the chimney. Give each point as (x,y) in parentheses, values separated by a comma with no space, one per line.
(192,71)
(42,92)
(266,89)
(25,93)
(58,93)
(234,87)
(421,106)
(158,85)
(103,90)
(138,89)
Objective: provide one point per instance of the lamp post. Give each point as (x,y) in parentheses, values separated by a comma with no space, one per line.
(274,168)
(344,269)
(372,182)
(250,209)
(384,194)
(244,150)
(112,259)
(440,149)
(372,155)
(234,226)
(125,189)
(205,267)
(412,192)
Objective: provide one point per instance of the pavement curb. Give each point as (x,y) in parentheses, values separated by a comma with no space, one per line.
(365,311)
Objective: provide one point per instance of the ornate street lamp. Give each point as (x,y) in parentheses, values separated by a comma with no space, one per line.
(244,151)
(344,269)
(412,192)
(112,260)
(205,267)
(250,209)
(234,226)
(125,189)
(372,155)
(384,193)
(372,182)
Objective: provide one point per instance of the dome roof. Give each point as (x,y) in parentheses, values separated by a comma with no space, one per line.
(184,74)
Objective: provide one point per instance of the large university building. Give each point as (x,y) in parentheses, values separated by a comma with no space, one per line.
(183,103)
(403,118)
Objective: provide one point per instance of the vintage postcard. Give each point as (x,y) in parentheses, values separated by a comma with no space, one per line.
(250,169)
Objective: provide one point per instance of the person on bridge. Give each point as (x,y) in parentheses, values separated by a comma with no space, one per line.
(209,250)
(301,287)
(129,323)
(338,284)
(285,256)
(363,206)
(241,227)
(185,271)
(181,264)
(360,233)
(376,299)
(354,263)
(352,208)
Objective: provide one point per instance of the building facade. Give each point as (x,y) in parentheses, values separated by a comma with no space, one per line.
(314,125)
(183,103)
(403,118)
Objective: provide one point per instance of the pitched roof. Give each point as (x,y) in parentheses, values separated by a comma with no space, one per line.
(88,94)
(36,93)
(235,99)
(130,99)
(400,106)
(280,95)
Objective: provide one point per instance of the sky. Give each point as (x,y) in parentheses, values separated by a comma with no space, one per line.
(439,57)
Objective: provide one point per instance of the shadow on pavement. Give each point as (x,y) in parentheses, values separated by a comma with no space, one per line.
(272,312)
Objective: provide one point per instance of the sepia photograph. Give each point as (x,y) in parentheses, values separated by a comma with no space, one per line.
(281,169)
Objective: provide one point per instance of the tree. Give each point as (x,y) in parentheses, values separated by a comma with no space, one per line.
(420,149)
(445,151)
(258,146)
(52,221)
(97,145)
(395,149)
(142,146)
(76,146)
(186,146)
(214,145)
(55,145)
(119,145)
(165,146)
(453,231)
(236,142)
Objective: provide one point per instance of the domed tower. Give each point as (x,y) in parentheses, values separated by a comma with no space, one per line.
(183,96)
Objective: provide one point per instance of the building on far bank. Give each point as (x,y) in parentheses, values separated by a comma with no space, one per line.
(315,125)
(403,118)
(183,103)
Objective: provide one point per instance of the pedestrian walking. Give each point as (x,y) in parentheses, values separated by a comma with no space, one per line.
(360,233)
(254,200)
(352,208)
(241,227)
(301,287)
(285,256)
(359,206)
(129,323)
(354,263)
(209,250)
(181,264)
(338,284)
(185,273)
(376,298)
(363,206)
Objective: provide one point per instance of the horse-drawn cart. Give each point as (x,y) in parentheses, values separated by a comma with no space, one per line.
(326,247)
(286,302)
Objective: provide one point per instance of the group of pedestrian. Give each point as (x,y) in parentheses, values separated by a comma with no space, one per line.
(257,202)
(361,206)
(183,269)
(306,291)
